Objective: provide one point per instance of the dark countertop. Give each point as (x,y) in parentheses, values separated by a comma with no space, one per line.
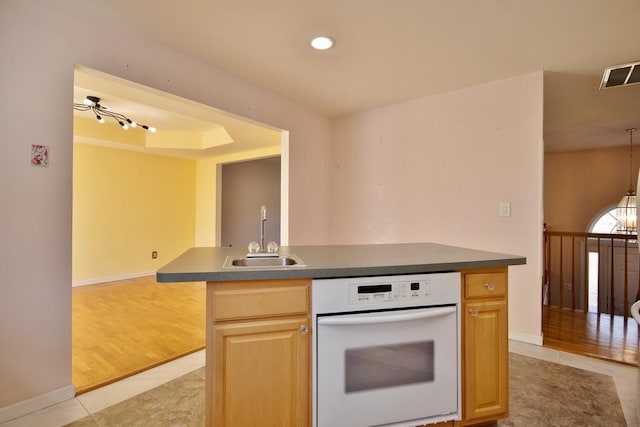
(205,264)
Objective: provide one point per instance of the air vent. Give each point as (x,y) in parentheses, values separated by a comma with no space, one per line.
(621,75)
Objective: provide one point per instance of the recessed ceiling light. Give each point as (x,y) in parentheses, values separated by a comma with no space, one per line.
(322,43)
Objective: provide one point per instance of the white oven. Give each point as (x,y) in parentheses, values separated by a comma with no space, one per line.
(386,350)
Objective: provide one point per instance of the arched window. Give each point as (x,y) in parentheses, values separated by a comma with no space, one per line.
(605,222)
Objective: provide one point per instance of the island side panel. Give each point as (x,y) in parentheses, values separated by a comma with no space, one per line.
(210,383)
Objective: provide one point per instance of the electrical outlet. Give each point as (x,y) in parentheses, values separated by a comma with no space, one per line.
(154,254)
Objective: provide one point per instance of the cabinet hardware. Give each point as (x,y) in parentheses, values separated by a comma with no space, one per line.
(304,329)
(490,286)
(474,313)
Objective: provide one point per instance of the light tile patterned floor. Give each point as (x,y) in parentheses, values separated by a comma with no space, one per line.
(174,395)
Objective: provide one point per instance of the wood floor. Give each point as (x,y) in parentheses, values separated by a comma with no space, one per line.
(122,328)
(602,336)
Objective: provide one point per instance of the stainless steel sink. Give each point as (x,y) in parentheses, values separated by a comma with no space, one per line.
(263,262)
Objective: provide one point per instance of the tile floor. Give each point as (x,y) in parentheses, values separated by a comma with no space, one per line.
(543,394)
(104,397)
(624,378)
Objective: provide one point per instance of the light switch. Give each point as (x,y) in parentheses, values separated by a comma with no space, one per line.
(505,209)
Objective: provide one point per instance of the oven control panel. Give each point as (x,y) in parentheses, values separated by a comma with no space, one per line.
(391,292)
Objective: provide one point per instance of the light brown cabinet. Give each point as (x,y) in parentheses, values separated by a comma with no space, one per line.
(258,353)
(485,353)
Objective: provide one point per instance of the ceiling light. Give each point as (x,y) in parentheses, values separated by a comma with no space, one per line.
(627,221)
(322,43)
(149,128)
(93,103)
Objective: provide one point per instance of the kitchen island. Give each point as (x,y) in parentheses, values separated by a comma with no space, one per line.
(259,329)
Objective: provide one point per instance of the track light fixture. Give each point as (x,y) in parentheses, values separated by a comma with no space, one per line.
(93,103)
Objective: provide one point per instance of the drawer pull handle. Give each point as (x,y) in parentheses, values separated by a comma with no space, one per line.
(474,313)
(490,286)
(304,329)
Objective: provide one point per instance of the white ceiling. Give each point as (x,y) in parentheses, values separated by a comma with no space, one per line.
(389,51)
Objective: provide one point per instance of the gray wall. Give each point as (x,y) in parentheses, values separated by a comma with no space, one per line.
(246,186)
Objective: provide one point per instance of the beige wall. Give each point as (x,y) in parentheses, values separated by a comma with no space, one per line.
(578,185)
(206,198)
(40,45)
(436,169)
(127,204)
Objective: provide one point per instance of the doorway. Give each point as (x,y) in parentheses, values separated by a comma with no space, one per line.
(246,186)
(140,200)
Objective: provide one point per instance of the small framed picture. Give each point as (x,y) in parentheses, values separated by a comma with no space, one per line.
(39,155)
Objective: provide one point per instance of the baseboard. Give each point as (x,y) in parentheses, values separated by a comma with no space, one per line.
(28,406)
(528,338)
(112,278)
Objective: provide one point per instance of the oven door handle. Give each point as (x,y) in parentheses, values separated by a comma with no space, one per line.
(389,318)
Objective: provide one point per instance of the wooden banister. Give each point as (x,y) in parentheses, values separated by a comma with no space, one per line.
(566,270)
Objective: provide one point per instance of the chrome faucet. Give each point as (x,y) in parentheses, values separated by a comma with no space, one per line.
(259,249)
(263,218)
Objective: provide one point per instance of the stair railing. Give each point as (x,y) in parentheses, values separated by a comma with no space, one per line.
(567,271)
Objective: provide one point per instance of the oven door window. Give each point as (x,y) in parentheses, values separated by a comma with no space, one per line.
(392,365)
(380,368)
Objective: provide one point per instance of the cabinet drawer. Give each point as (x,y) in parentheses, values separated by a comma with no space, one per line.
(483,285)
(244,300)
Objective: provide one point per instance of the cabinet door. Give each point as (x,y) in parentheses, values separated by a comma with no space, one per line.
(262,373)
(486,359)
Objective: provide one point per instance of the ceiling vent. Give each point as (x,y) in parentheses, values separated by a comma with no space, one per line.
(621,75)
